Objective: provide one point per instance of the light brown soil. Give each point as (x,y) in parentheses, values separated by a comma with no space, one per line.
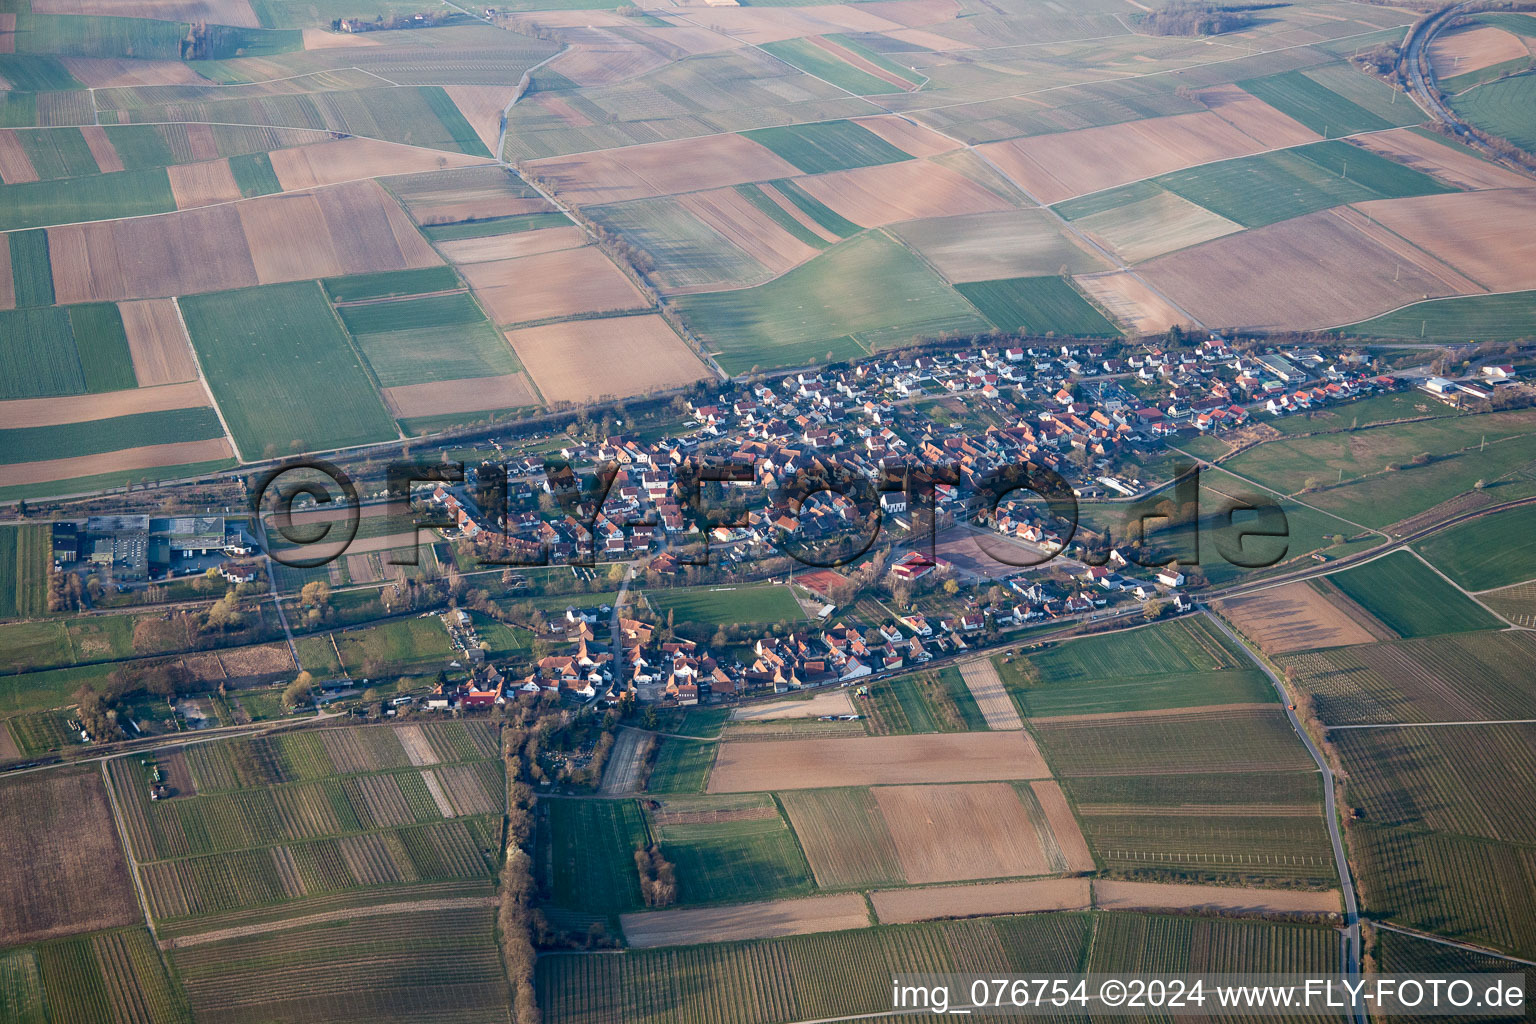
(745,921)
(1109,894)
(160,349)
(202,184)
(986,687)
(15,165)
(519,243)
(1464,50)
(339,160)
(61,867)
(1295,617)
(101,148)
(324,39)
(8,32)
(1489,236)
(417,748)
(1311,272)
(875,760)
(621,356)
(48,412)
(146,458)
(510,391)
(439,796)
(661,168)
(847,56)
(904,906)
(759,25)
(215,12)
(888,193)
(475,207)
(1067,164)
(830,702)
(748,228)
(1131,302)
(1448,163)
(127,72)
(954,833)
(1064,827)
(481,106)
(552,284)
(605,59)
(784,203)
(1255,118)
(9,751)
(7,285)
(347,229)
(252,664)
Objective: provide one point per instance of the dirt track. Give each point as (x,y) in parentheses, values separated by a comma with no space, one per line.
(995,704)
(624,761)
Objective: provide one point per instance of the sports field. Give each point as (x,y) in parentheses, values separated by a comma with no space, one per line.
(719,606)
(254,343)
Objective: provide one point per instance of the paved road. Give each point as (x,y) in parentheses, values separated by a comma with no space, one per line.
(1335,836)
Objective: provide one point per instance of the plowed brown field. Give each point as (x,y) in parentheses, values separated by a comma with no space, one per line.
(1489,236)
(580,360)
(202,184)
(875,760)
(692,925)
(904,906)
(955,833)
(329,163)
(47,412)
(552,284)
(1296,617)
(160,349)
(661,168)
(148,457)
(510,391)
(887,193)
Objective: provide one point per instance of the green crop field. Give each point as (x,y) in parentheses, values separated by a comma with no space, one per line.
(448,310)
(815,209)
(844,837)
(391,969)
(718,606)
(592,846)
(254,175)
(1503,108)
(33,645)
(32,74)
(102,346)
(1206,740)
(97,36)
(94,197)
(870,53)
(1277,186)
(1494,551)
(1183,663)
(25,555)
(1411,598)
(1322,109)
(1510,317)
(58,153)
(828,145)
(37,354)
(492,226)
(1445,780)
(92,437)
(260,346)
(31,272)
(140,147)
(681,766)
(1459,677)
(780,216)
(1469,890)
(814,309)
(392,284)
(931,700)
(426,354)
(813,60)
(1037,305)
(1362,412)
(733,861)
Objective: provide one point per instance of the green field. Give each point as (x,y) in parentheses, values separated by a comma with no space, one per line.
(391,284)
(426,354)
(38,358)
(1410,598)
(257,346)
(495,226)
(718,606)
(1205,740)
(1503,108)
(1510,317)
(398,646)
(1494,551)
(58,153)
(828,145)
(873,55)
(254,175)
(813,60)
(90,978)
(1327,112)
(776,213)
(685,252)
(815,209)
(94,197)
(92,437)
(26,552)
(453,309)
(102,346)
(97,36)
(32,74)
(1188,665)
(815,308)
(1272,187)
(733,861)
(681,766)
(592,846)
(1037,305)
(31,272)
